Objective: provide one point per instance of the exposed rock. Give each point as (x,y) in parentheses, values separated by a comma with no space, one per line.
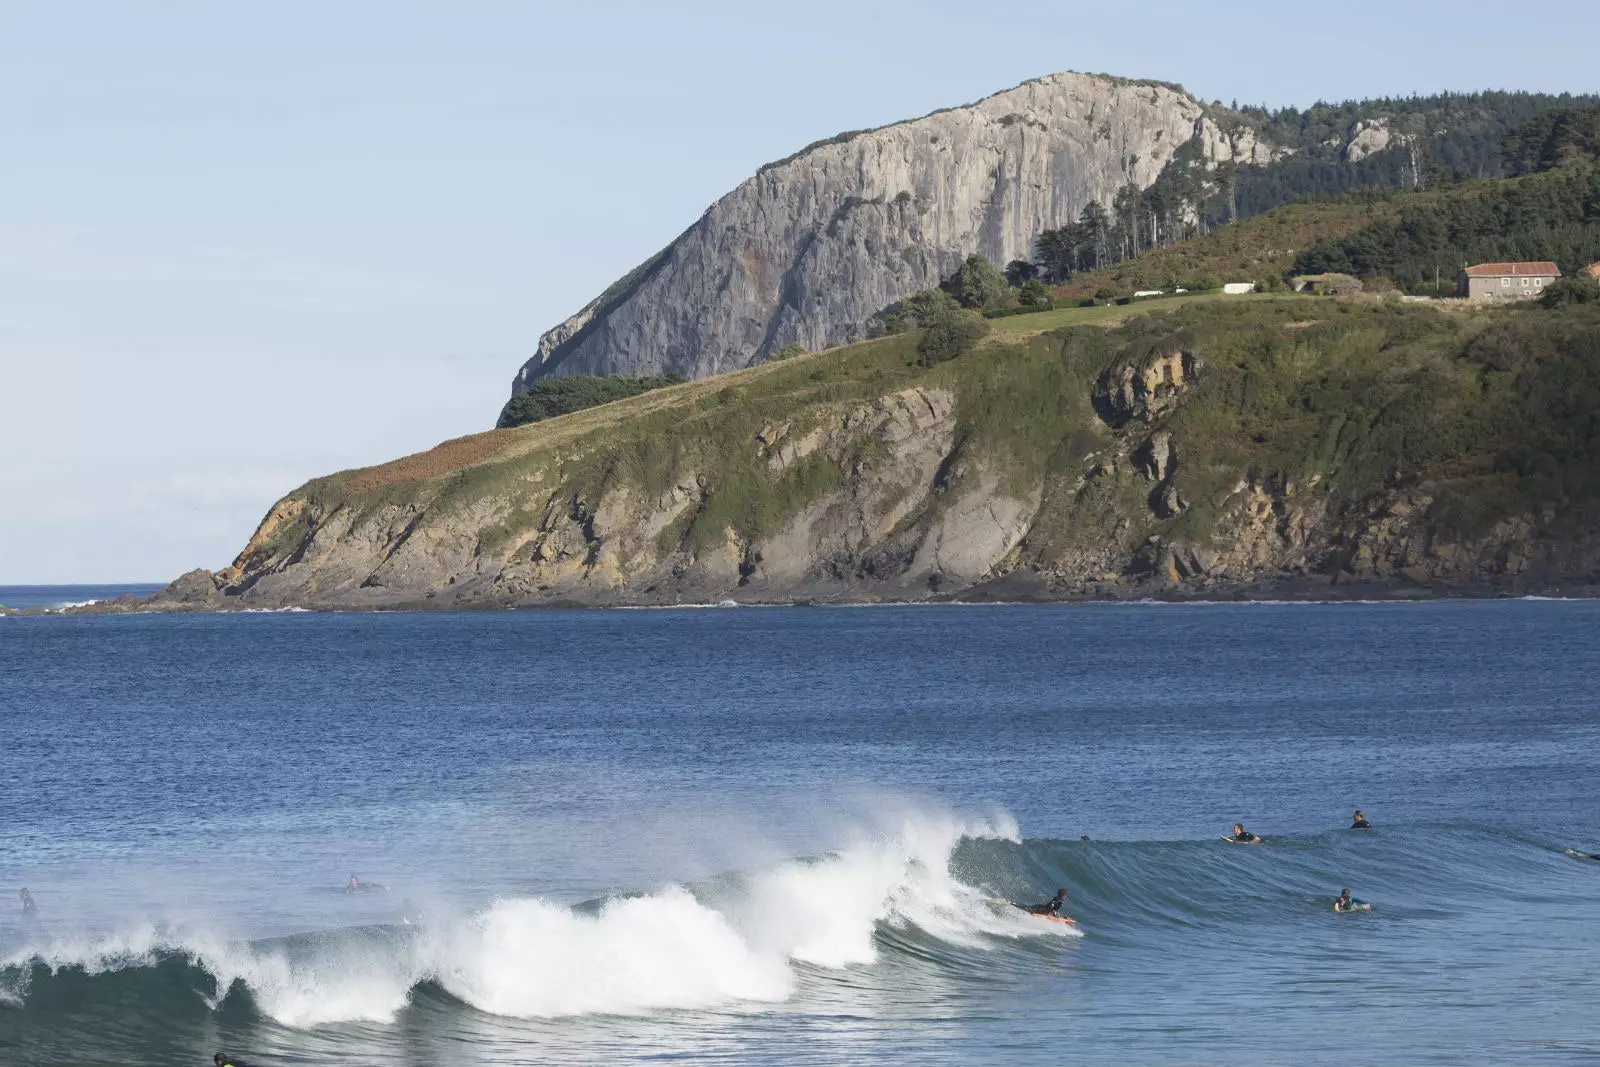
(1167,502)
(1367,138)
(1237,144)
(196,589)
(1157,457)
(812,246)
(1144,387)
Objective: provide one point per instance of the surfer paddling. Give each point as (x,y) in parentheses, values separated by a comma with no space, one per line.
(1241,836)
(1346,902)
(356,885)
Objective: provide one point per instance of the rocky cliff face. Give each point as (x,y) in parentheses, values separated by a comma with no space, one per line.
(812,246)
(1196,455)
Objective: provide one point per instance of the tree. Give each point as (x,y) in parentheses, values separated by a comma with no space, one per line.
(1035,294)
(1094,228)
(789,351)
(1126,206)
(1057,252)
(551,397)
(1019,271)
(952,332)
(978,285)
(1553,139)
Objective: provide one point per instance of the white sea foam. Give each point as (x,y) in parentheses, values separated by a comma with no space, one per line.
(735,944)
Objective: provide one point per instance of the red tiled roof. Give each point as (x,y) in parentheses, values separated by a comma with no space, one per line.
(1514,270)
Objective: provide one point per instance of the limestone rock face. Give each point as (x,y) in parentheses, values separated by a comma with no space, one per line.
(1368,138)
(812,246)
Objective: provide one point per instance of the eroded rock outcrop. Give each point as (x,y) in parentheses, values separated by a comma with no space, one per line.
(812,246)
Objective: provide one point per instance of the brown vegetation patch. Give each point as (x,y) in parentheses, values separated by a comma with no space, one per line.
(445,458)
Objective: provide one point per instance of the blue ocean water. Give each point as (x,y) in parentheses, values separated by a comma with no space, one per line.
(785,836)
(56,597)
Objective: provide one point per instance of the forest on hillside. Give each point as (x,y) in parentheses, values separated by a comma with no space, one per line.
(1433,142)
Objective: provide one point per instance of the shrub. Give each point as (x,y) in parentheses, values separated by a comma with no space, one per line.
(1272,283)
(1035,294)
(789,351)
(978,285)
(950,334)
(1582,289)
(919,309)
(1019,271)
(1105,292)
(550,397)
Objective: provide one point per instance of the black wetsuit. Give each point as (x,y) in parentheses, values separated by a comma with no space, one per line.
(1361,824)
(1244,837)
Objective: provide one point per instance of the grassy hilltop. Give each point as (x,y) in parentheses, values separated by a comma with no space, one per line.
(1222,446)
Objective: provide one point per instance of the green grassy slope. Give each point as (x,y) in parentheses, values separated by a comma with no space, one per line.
(1449,443)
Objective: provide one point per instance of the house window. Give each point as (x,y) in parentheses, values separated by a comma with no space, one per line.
(1538,282)
(1505,283)
(1524,283)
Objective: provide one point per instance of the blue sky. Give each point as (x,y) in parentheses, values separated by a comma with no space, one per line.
(244,245)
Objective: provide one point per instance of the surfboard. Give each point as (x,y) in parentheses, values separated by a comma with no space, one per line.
(1053,918)
(1236,841)
(1575,854)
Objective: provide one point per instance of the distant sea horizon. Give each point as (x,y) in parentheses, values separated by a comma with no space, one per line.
(61,596)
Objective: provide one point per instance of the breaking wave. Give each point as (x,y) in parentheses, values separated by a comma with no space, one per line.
(744,939)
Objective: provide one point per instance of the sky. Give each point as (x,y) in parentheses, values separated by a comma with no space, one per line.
(243,245)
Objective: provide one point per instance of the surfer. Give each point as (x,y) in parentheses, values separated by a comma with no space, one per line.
(1346,902)
(28,905)
(222,1059)
(356,885)
(1242,836)
(1049,907)
(1360,822)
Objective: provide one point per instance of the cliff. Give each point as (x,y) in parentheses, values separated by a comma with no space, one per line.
(1254,446)
(813,245)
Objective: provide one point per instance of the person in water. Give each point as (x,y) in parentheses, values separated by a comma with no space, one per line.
(1243,836)
(1360,822)
(1346,902)
(1051,906)
(28,905)
(222,1059)
(356,885)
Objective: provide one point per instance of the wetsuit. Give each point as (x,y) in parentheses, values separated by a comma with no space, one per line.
(1049,907)
(1244,837)
(1361,824)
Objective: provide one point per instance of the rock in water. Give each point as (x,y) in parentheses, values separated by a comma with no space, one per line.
(811,247)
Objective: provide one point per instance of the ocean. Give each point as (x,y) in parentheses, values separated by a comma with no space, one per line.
(56,597)
(787,835)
